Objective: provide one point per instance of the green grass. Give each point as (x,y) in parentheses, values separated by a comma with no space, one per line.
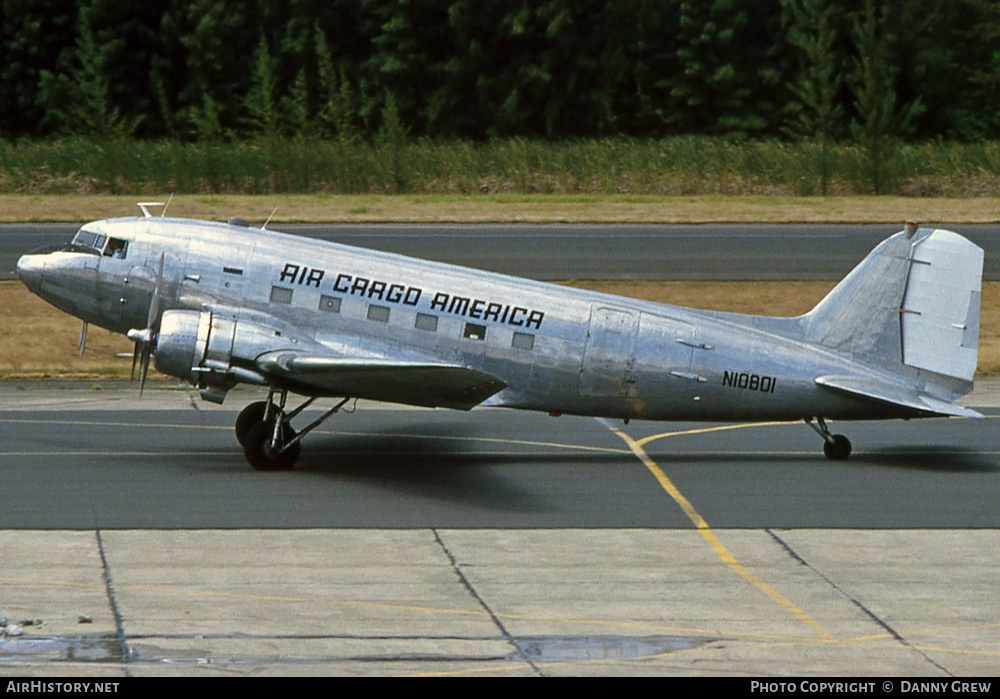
(629,168)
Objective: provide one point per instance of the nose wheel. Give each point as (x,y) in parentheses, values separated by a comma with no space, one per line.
(837,447)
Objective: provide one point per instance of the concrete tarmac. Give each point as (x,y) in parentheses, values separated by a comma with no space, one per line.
(897,603)
(689,596)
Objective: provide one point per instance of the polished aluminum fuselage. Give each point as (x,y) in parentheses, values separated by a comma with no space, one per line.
(557,349)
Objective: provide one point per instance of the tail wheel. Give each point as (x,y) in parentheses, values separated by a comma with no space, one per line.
(838,449)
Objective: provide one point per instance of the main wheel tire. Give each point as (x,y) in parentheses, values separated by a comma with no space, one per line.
(248,417)
(839,449)
(261,456)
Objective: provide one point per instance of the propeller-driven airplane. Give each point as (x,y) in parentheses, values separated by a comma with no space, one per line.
(218,304)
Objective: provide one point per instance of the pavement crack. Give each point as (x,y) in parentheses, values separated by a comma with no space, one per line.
(125,652)
(476,596)
(857,603)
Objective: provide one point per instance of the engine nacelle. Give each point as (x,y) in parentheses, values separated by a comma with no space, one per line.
(177,342)
(215,351)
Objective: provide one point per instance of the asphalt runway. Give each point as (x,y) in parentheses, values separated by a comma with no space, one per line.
(110,462)
(561,252)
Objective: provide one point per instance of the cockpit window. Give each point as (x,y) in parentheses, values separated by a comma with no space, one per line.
(89,239)
(116,248)
(109,247)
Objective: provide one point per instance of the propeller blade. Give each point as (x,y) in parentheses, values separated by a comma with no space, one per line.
(145,338)
(135,360)
(144,368)
(153,319)
(83,337)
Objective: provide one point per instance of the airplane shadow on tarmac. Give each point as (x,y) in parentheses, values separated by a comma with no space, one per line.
(932,458)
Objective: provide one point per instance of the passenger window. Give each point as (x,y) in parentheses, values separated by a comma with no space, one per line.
(525,341)
(330,304)
(475,332)
(426,321)
(281,295)
(379,313)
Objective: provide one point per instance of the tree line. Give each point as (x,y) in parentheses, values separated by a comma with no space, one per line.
(867,71)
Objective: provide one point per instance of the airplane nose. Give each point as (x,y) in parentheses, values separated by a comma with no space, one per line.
(29,269)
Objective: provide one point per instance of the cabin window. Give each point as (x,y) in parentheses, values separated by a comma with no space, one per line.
(524,341)
(280,294)
(475,332)
(425,321)
(330,304)
(379,313)
(116,248)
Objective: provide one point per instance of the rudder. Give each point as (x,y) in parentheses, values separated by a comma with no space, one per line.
(939,316)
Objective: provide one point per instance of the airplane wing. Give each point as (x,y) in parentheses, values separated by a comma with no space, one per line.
(413,383)
(895,394)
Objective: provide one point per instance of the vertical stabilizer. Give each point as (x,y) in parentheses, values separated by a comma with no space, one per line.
(913,301)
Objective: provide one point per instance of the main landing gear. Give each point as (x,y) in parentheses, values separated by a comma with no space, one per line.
(837,447)
(265,432)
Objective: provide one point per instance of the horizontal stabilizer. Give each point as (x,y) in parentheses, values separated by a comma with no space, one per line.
(895,394)
(411,383)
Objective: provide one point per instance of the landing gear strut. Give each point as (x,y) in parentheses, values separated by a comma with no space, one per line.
(837,447)
(265,432)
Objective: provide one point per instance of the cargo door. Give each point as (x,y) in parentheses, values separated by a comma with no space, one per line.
(609,355)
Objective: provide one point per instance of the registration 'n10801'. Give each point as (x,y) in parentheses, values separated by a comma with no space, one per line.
(751,382)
